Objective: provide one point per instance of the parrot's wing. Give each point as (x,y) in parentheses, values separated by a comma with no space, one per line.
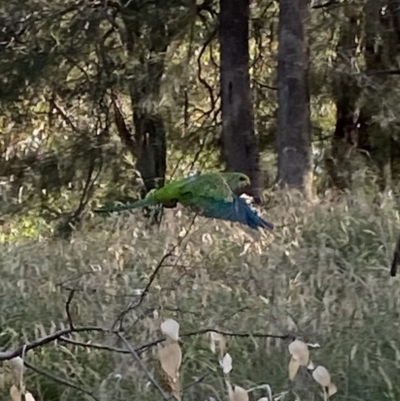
(236,211)
(135,205)
(189,191)
(210,186)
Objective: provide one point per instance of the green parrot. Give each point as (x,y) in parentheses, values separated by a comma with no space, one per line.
(209,194)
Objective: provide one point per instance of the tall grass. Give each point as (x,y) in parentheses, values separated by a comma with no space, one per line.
(321,276)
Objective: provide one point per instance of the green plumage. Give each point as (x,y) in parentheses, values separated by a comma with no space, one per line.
(210,194)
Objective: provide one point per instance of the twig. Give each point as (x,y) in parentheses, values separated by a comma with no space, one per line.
(94,346)
(6,355)
(198,381)
(59,380)
(324,5)
(131,305)
(202,80)
(222,332)
(242,335)
(139,361)
(63,115)
(396,259)
(144,347)
(153,276)
(67,308)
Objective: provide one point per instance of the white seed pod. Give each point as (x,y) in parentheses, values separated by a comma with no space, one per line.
(170,328)
(300,352)
(226,363)
(322,376)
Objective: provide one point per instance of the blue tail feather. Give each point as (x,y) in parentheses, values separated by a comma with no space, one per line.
(237,211)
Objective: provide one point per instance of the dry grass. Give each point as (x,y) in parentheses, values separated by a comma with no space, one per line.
(323,276)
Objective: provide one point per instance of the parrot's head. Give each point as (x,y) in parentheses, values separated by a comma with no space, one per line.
(236,180)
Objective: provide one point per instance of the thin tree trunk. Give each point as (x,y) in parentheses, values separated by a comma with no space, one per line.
(148,143)
(372,136)
(346,93)
(293,141)
(239,144)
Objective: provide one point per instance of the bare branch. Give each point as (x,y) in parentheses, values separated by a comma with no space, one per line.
(199,69)
(94,346)
(59,380)
(6,355)
(241,335)
(63,115)
(396,259)
(143,367)
(323,5)
(153,276)
(67,308)
(222,332)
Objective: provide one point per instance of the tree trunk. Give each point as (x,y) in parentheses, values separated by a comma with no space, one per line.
(239,144)
(149,140)
(394,9)
(293,141)
(372,136)
(346,92)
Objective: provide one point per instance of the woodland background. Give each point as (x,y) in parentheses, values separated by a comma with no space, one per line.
(101,101)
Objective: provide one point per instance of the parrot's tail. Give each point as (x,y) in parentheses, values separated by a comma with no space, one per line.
(135,205)
(250,216)
(253,220)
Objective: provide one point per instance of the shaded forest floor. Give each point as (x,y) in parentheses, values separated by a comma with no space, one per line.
(322,275)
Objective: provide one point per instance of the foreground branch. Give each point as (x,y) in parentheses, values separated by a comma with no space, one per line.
(143,367)
(6,355)
(59,380)
(151,344)
(60,335)
(132,305)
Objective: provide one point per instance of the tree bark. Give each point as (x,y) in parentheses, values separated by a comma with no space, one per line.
(293,140)
(149,139)
(239,144)
(346,92)
(372,136)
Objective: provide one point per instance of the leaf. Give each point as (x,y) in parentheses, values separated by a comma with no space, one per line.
(226,363)
(170,357)
(332,389)
(18,368)
(170,328)
(239,394)
(322,376)
(17,396)
(300,352)
(353,351)
(294,366)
